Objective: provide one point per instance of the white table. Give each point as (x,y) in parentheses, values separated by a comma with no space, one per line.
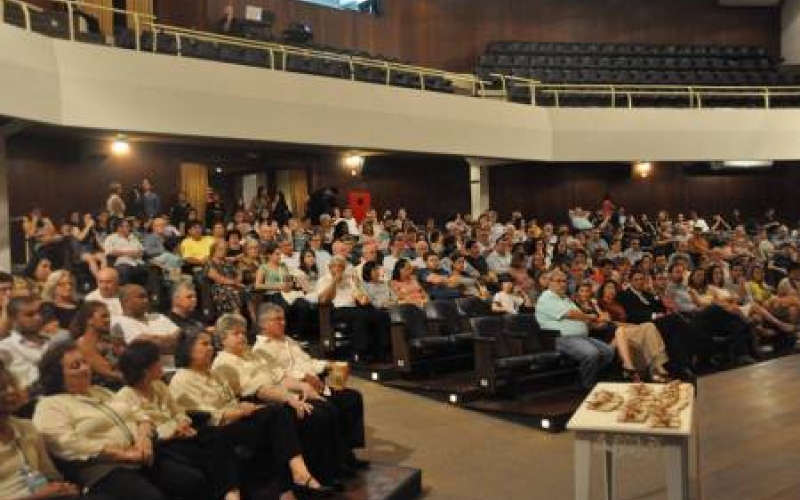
(602,428)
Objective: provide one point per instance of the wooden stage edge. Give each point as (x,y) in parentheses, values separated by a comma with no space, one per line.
(749,432)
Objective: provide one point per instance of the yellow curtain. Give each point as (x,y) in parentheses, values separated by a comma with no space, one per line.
(105,17)
(140,7)
(194,182)
(299,186)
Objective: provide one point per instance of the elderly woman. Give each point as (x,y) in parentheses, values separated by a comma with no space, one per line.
(267,430)
(251,376)
(91,329)
(26,470)
(59,296)
(103,446)
(144,391)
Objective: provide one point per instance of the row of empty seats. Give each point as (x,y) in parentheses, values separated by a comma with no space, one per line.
(354,65)
(626,49)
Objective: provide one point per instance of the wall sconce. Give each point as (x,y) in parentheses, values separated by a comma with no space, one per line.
(120,146)
(642,169)
(354,164)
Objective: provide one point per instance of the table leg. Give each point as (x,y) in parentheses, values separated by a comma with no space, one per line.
(583,451)
(609,474)
(676,464)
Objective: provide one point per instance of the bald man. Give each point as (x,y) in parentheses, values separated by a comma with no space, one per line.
(137,323)
(107,290)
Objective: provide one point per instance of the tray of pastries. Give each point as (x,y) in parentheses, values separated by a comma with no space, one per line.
(664,418)
(604,401)
(634,411)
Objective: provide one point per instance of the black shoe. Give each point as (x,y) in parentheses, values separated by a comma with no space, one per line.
(306,491)
(357,463)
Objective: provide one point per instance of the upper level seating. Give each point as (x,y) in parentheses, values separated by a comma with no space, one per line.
(625,63)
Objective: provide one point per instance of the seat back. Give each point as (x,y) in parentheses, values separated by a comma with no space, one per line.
(524,324)
(449,317)
(473,307)
(492,327)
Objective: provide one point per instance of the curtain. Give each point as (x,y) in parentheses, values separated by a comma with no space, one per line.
(194,182)
(299,189)
(140,7)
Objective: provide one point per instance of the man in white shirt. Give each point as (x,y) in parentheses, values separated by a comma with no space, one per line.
(128,252)
(369,326)
(284,353)
(137,323)
(499,260)
(107,290)
(322,256)
(369,253)
(23,348)
(352,223)
(555,311)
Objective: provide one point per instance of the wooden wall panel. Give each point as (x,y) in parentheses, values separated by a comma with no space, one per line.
(548,190)
(450,34)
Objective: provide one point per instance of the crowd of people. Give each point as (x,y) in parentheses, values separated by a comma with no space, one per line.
(665,296)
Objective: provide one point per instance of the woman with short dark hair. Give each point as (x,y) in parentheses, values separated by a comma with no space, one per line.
(175,436)
(267,430)
(102,445)
(91,328)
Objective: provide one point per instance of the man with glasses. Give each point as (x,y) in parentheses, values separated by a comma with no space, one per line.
(556,311)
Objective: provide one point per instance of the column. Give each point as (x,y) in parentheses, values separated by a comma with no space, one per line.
(790,31)
(5,220)
(479,186)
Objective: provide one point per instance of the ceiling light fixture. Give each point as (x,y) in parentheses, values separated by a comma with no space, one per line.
(120,146)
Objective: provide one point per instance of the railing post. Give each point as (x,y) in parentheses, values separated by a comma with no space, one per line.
(421,80)
(556,99)
(766,98)
(388,73)
(532,86)
(352,68)
(628,94)
(137,31)
(690,92)
(26,13)
(613,96)
(71,21)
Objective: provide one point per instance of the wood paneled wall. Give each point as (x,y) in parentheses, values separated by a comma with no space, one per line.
(549,190)
(450,34)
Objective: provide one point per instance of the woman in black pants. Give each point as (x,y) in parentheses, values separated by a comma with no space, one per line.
(175,439)
(266,431)
(100,445)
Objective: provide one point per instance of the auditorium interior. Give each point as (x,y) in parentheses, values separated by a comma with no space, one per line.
(543,249)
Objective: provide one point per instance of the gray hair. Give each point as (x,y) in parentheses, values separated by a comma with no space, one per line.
(226,323)
(268,309)
(183,285)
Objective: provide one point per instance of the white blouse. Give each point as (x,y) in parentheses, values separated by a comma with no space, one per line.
(162,409)
(209,393)
(246,374)
(288,356)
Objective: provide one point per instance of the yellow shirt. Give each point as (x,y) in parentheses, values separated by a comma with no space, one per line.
(197,249)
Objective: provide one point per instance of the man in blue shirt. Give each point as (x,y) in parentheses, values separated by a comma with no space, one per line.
(556,311)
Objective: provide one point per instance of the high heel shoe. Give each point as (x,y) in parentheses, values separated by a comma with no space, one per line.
(306,491)
(630,375)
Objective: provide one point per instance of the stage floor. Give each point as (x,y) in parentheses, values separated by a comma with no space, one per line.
(749,424)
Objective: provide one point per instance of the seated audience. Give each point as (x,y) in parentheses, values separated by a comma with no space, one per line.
(195,248)
(184,313)
(27,471)
(287,355)
(369,325)
(378,291)
(127,253)
(267,430)
(437,282)
(91,329)
(250,376)
(138,323)
(226,280)
(510,299)
(145,393)
(59,297)
(102,446)
(23,348)
(556,311)
(107,290)
(406,286)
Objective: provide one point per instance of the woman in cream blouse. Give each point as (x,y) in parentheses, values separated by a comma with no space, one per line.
(267,430)
(102,445)
(317,421)
(141,368)
(26,471)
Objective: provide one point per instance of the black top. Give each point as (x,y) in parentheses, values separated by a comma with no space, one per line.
(640,309)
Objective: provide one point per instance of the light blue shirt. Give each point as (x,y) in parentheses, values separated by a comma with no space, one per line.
(551,312)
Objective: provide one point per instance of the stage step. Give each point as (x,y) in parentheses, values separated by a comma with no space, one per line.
(384,482)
